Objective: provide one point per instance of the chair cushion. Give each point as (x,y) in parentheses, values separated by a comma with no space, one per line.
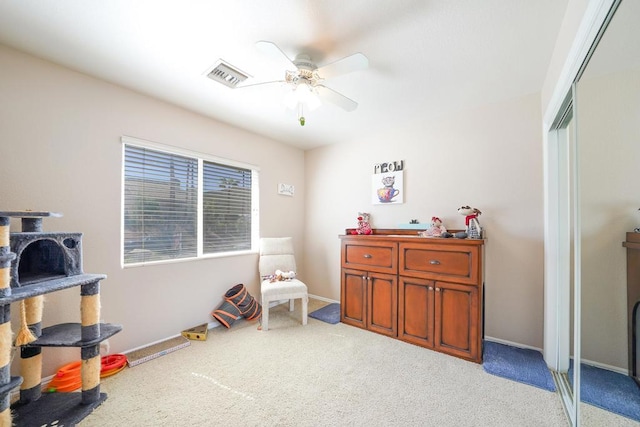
(285,288)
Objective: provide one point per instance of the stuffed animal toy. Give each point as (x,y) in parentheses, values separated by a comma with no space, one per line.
(280,276)
(436,229)
(471,222)
(364,227)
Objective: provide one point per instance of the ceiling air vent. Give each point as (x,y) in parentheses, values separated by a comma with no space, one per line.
(227,74)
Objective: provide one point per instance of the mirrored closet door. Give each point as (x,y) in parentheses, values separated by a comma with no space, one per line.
(607,108)
(594,201)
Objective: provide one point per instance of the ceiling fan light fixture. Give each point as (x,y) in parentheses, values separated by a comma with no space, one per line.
(302,97)
(290,99)
(307,96)
(302,94)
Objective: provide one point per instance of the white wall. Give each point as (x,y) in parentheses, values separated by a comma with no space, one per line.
(60,151)
(489,158)
(570,24)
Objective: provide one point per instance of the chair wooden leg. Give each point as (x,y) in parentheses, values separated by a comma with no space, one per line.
(265,314)
(305,302)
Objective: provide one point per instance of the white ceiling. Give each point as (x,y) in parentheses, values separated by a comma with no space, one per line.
(426,57)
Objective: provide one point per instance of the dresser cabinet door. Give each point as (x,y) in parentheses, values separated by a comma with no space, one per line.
(353,297)
(416,311)
(456,324)
(382,303)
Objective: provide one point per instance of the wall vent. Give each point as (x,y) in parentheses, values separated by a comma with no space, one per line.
(227,74)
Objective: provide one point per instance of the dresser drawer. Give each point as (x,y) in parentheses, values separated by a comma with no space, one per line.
(440,262)
(380,256)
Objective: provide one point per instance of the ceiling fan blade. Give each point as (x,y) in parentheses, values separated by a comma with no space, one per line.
(260,84)
(272,50)
(348,64)
(330,95)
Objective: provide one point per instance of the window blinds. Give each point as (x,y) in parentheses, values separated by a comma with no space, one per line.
(160,205)
(162,202)
(226,208)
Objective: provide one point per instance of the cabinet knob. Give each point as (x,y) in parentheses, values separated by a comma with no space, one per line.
(434,262)
(430,288)
(437,289)
(368,256)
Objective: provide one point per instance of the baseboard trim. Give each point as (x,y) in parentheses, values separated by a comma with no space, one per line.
(323,298)
(606,367)
(512,344)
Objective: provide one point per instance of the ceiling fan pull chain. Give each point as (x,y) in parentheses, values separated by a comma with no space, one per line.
(301,118)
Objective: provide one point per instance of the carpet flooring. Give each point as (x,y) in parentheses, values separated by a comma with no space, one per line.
(321,375)
(315,375)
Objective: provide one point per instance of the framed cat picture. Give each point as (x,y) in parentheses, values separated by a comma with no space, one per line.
(387,188)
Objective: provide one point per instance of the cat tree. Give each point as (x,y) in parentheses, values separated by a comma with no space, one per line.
(34,263)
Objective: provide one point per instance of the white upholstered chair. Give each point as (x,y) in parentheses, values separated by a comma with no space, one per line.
(276,253)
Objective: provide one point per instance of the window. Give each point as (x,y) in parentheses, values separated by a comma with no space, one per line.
(226,208)
(178,205)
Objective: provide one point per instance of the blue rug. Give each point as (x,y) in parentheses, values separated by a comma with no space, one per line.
(609,390)
(329,313)
(517,364)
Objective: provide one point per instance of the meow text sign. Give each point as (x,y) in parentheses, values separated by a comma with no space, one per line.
(394,166)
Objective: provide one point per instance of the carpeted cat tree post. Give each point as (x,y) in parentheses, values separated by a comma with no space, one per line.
(30,357)
(90,330)
(30,330)
(6,256)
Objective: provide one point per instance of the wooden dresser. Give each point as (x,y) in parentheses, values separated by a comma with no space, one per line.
(426,291)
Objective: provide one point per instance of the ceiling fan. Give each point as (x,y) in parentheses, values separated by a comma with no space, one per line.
(306,79)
